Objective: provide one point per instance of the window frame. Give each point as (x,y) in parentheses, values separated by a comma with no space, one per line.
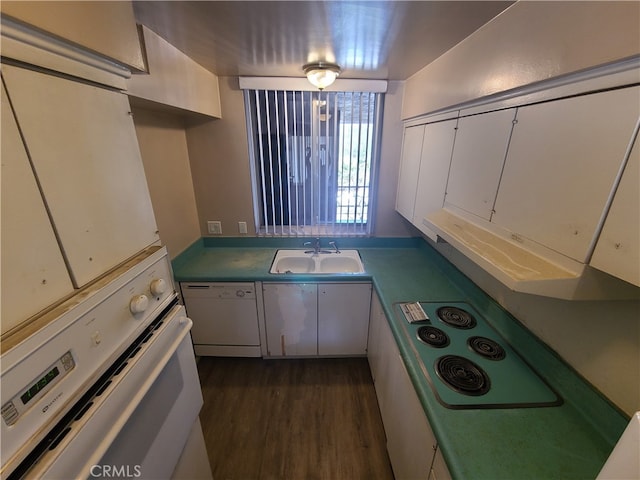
(256,158)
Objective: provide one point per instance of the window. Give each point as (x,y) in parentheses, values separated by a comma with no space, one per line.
(313,160)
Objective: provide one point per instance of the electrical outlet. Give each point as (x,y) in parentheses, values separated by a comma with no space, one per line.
(214,227)
(242,227)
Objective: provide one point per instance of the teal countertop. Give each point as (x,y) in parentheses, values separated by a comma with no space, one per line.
(571,441)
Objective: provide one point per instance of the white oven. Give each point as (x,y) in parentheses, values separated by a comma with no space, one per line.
(109,389)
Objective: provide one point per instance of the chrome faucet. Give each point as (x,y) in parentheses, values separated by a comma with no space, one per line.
(316,247)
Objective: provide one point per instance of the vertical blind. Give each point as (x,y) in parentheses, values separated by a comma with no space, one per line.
(313,158)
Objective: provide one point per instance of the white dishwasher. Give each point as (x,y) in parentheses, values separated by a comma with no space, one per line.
(225,318)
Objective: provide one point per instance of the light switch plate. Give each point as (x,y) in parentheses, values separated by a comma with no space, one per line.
(242,227)
(214,227)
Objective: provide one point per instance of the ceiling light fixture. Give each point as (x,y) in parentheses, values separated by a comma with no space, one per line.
(321,74)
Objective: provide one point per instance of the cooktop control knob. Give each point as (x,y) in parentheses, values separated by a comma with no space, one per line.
(138,304)
(158,287)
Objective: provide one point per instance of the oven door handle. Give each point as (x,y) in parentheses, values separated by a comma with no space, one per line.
(110,436)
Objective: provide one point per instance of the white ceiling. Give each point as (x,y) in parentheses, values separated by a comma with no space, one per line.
(368,39)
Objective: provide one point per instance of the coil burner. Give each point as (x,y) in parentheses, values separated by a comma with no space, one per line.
(433,336)
(462,375)
(487,348)
(456,317)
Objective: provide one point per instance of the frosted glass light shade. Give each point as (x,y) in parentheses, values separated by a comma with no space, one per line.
(321,74)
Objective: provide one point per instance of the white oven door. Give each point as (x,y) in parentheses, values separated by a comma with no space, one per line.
(137,425)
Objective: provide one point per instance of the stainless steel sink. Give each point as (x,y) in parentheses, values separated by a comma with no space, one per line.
(300,262)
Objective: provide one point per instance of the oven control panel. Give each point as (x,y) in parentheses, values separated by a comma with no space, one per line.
(23,400)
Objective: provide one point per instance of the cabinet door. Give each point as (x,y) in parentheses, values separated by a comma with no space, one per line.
(563,159)
(291,319)
(435,161)
(387,351)
(33,271)
(478,158)
(409,169)
(343,318)
(376,317)
(439,470)
(410,442)
(618,249)
(83,146)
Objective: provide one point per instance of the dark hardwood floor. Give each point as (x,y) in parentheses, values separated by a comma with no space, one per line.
(292,419)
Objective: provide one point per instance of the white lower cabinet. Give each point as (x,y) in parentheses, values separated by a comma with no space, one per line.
(343,318)
(309,319)
(291,319)
(439,470)
(411,443)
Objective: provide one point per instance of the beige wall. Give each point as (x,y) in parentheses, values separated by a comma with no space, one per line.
(163,146)
(220,164)
(528,42)
(106,27)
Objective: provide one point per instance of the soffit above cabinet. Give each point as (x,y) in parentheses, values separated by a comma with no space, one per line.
(27,45)
(174,80)
(105,27)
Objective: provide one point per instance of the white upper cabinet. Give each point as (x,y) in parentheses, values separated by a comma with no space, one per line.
(434,170)
(562,164)
(84,150)
(618,249)
(33,271)
(478,158)
(530,191)
(409,169)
